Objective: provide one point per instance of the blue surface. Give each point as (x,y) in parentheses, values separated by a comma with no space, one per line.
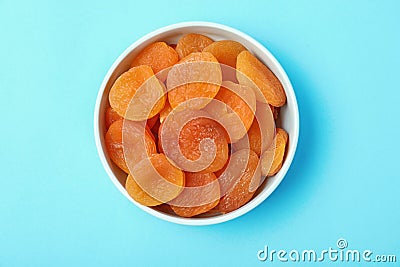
(59,208)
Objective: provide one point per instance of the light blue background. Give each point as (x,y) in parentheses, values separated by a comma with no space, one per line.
(59,208)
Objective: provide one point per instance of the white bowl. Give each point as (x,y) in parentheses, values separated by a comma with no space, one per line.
(170,34)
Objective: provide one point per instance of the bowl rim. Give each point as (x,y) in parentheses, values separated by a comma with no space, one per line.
(263,194)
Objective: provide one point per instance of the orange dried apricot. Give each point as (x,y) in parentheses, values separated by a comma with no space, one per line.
(192,42)
(159,178)
(113,141)
(137,193)
(164,208)
(196,76)
(200,129)
(137,142)
(261,133)
(152,121)
(225,51)
(111,116)
(252,72)
(201,194)
(165,111)
(272,159)
(137,94)
(175,115)
(157,55)
(238,186)
(154,130)
(254,139)
(115,146)
(236,112)
(275,111)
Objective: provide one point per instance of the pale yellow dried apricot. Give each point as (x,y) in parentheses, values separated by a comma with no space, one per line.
(158,56)
(252,72)
(192,42)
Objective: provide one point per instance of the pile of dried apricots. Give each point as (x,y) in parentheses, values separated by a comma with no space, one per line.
(193,126)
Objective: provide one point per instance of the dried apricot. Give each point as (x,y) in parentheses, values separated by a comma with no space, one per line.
(154,130)
(137,94)
(115,146)
(157,55)
(193,141)
(137,142)
(196,131)
(201,194)
(272,159)
(275,111)
(252,72)
(196,77)
(152,121)
(165,111)
(137,193)
(234,109)
(192,42)
(164,208)
(158,178)
(261,133)
(111,116)
(254,139)
(239,181)
(225,51)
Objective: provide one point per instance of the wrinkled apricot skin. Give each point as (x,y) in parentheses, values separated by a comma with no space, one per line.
(207,184)
(159,178)
(225,51)
(137,193)
(111,117)
(261,134)
(188,91)
(193,126)
(114,144)
(245,186)
(113,141)
(124,91)
(237,112)
(281,140)
(269,88)
(254,139)
(203,128)
(158,56)
(191,43)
